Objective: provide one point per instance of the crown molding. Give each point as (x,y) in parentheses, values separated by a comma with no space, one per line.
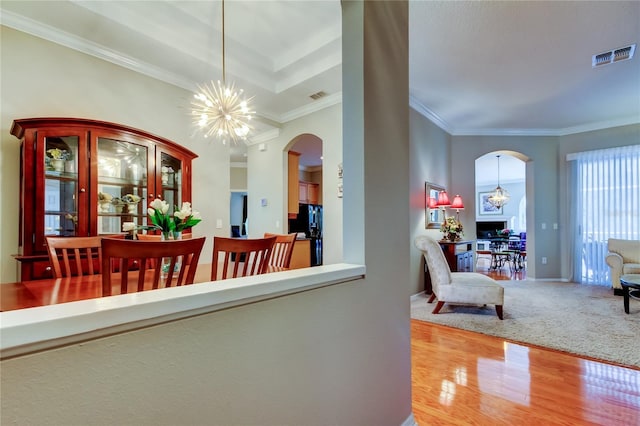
(504,132)
(426,112)
(263,137)
(599,126)
(310,169)
(433,117)
(63,38)
(315,106)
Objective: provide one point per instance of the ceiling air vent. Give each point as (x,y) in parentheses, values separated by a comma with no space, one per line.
(318,95)
(617,55)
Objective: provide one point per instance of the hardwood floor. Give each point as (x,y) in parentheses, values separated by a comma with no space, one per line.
(464,378)
(500,274)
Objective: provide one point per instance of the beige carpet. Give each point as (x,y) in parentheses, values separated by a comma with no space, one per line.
(580,319)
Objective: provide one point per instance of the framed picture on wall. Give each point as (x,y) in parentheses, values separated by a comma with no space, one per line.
(485,207)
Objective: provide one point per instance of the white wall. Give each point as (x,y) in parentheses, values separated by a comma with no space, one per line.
(42,79)
(272,163)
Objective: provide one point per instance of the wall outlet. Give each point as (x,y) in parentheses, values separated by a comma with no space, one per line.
(543,225)
(544,260)
(555,226)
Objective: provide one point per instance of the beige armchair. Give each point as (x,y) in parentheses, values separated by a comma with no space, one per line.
(469,288)
(623,258)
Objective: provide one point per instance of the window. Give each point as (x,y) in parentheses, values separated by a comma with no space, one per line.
(605,204)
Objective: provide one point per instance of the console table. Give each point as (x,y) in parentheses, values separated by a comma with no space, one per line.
(459,255)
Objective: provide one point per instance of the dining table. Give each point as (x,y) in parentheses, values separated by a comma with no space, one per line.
(51,291)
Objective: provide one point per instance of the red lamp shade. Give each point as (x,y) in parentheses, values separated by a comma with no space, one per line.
(457,203)
(432,203)
(443,199)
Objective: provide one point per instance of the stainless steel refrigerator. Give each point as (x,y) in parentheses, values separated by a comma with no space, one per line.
(309,221)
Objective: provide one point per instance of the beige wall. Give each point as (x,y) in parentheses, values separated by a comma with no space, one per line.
(547,195)
(238,178)
(335,355)
(429,162)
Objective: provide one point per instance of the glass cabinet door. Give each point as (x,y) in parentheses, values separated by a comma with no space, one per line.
(171,180)
(61,186)
(121,184)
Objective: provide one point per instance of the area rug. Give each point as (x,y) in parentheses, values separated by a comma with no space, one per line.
(576,318)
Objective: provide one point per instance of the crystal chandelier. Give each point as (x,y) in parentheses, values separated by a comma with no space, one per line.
(500,196)
(219,109)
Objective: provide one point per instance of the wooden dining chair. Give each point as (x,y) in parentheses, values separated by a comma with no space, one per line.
(282,250)
(80,255)
(235,257)
(134,257)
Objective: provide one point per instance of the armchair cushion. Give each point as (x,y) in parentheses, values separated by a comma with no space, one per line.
(457,287)
(623,258)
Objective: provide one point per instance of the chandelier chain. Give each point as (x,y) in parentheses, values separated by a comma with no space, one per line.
(219,109)
(224,73)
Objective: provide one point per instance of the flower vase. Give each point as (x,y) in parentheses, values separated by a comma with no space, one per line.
(131,208)
(166,261)
(452,237)
(58,165)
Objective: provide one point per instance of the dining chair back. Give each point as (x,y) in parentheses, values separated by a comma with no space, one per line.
(80,255)
(131,257)
(235,257)
(282,249)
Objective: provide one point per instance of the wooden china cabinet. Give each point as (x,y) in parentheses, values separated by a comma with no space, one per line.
(106,174)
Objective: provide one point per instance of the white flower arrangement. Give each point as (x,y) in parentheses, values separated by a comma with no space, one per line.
(451,226)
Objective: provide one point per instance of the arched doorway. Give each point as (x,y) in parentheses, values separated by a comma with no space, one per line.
(304,192)
(508,170)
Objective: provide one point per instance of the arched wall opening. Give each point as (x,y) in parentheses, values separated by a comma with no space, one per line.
(510,171)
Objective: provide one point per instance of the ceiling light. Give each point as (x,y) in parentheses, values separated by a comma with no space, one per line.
(219,109)
(500,196)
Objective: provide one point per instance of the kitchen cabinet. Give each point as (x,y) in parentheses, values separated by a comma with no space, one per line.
(459,255)
(83,177)
(300,257)
(308,192)
(292,186)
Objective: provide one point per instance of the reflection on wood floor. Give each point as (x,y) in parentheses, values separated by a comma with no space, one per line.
(464,378)
(504,273)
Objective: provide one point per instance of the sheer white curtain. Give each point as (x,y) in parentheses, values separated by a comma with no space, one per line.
(605,203)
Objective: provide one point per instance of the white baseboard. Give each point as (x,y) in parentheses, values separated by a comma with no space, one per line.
(409,421)
(417,296)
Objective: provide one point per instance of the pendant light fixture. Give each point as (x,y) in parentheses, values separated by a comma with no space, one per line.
(219,109)
(500,196)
